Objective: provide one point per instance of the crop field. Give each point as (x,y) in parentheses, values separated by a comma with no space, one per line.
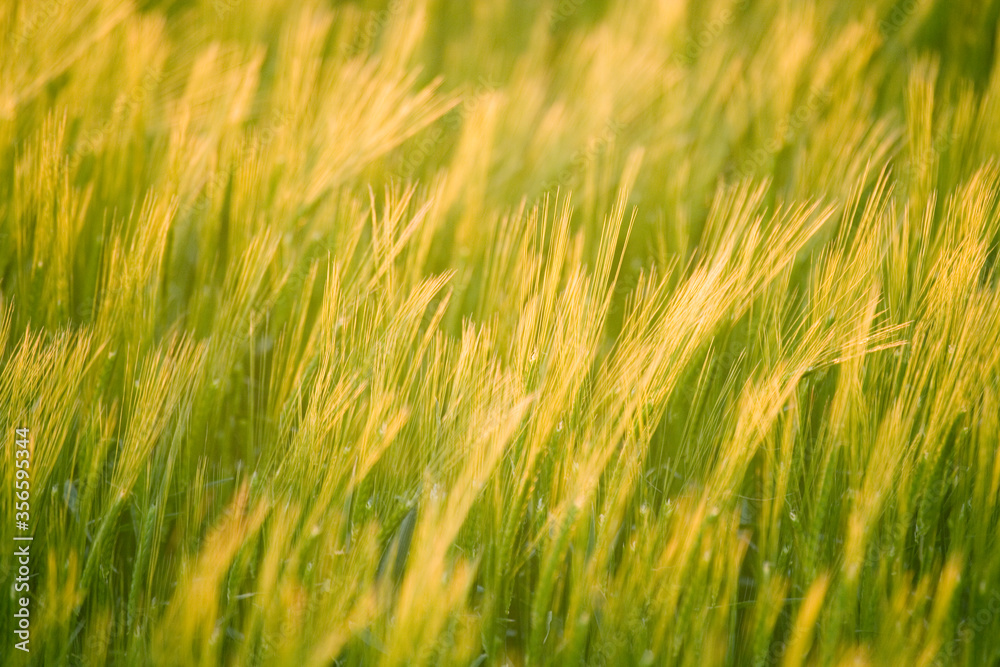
(500,332)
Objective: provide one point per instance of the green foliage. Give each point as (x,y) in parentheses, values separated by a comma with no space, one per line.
(567,332)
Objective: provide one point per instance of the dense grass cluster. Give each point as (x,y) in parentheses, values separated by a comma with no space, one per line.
(458,333)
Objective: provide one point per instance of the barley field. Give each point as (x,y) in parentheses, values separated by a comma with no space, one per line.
(500,332)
